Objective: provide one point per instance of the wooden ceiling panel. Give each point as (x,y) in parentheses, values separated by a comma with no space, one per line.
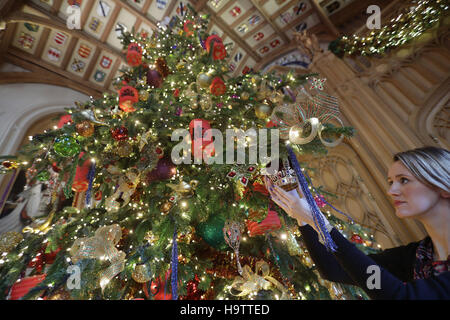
(236,11)
(81,58)
(99,16)
(27,37)
(292,13)
(249,24)
(102,68)
(138,5)
(125,21)
(56,47)
(158,9)
(260,36)
(271,45)
(217,5)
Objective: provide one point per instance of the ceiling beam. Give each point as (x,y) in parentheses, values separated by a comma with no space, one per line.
(56,22)
(270,21)
(39,74)
(284,49)
(325,19)
(8,6)
(125,5)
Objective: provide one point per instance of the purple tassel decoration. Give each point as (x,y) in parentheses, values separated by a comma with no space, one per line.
(91,176)
(317,215)
(174,277)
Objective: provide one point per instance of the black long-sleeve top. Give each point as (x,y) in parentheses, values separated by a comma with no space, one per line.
(349,265)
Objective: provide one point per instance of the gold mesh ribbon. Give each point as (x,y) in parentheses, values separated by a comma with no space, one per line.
(252,281)
(101,246)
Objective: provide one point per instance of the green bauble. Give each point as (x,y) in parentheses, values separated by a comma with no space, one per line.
(66,146)
(43,176)
(212,232)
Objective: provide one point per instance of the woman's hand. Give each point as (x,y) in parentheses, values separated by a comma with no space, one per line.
(293,202)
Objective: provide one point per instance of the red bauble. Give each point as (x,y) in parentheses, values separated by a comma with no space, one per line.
(217,87)
(201,127)
(134,54)
(157,288)
(356,238)
(193,292)
(128,96)
(64,120)
(154,78)
(21,288)
(219,51)
(189,28)
(120,133)
(80,182)
(209,43)
(270,223)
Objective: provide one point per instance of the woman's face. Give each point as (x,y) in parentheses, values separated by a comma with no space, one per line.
(410,196)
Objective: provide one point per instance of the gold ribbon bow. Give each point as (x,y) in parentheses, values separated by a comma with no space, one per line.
(252,281)
(101,246)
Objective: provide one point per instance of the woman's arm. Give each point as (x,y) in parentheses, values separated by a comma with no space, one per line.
(327,265)
(357,265)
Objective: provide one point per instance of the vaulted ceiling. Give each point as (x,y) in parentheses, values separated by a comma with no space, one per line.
(37,37)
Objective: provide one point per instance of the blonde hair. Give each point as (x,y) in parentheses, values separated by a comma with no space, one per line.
(430,165)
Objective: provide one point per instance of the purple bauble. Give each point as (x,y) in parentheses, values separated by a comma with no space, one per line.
(165,169)
(154,78)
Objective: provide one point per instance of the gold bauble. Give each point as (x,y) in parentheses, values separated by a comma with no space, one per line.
(60,294)
(245,95)
(263,111)
(141,273)
(143,95)
(165,208)
(9,240)
(204,80)
(85,128)
(124,149)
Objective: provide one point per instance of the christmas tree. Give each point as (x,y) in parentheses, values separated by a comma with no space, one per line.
(127,222)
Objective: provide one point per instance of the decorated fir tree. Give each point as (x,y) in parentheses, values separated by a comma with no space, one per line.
(137,225)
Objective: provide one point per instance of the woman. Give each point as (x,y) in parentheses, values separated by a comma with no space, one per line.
(419,185)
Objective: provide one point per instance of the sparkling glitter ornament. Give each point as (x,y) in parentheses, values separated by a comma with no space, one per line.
(162,68)
(66,146)
(85,128)
(284,177)
(120,133)
(211,231)
(9,240)
(141,273)
(232,235)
